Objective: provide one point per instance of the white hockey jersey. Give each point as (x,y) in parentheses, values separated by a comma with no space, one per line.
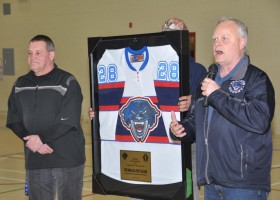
(136,92)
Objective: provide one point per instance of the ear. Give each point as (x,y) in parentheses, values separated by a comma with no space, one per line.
(52,55)
(243,43)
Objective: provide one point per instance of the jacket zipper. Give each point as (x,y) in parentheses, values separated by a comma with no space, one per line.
(241,158)
(206,132)
(35,102)
(36,93)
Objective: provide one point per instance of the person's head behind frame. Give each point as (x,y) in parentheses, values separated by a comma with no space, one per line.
(175,24)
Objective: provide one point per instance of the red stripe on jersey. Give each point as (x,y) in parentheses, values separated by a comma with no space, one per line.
(154,99)
(108,108)
(168,108)
(167,84)
(155,139)
(111,85)
(127,138)
(125,99)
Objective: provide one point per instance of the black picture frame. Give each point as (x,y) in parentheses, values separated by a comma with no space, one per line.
(102,184)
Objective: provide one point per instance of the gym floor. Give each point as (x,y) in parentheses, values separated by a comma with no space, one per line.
(12,172)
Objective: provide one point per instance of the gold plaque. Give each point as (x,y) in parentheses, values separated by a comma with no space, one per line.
(135,165)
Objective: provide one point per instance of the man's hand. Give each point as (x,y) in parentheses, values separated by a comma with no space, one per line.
(176,128)
(184,103)
(33,142)
(91,113)
(45,149)
(208,86)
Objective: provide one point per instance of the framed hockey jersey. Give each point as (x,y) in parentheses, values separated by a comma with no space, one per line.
(136,81)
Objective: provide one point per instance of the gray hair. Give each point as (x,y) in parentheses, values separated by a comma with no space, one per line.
(49,43)
(242,28)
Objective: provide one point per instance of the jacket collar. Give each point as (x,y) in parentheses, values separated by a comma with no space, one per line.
(240,72)
(31,75)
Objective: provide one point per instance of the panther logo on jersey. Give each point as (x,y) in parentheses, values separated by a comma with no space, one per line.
(140,116)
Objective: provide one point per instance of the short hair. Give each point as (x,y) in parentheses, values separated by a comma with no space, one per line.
(242,28)
(49,43)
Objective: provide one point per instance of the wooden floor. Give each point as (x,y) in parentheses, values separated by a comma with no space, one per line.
(12,172)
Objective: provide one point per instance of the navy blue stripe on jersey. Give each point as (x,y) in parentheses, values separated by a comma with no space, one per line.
(156,135)
(110,96)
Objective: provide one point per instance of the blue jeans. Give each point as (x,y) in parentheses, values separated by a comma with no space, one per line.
(218,192)
(43,184)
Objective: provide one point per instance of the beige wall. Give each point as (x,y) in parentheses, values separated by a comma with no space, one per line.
(70,22)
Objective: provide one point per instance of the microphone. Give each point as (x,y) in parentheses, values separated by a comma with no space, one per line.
(212,71)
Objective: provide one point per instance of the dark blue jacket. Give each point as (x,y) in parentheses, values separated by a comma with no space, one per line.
(235,148)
